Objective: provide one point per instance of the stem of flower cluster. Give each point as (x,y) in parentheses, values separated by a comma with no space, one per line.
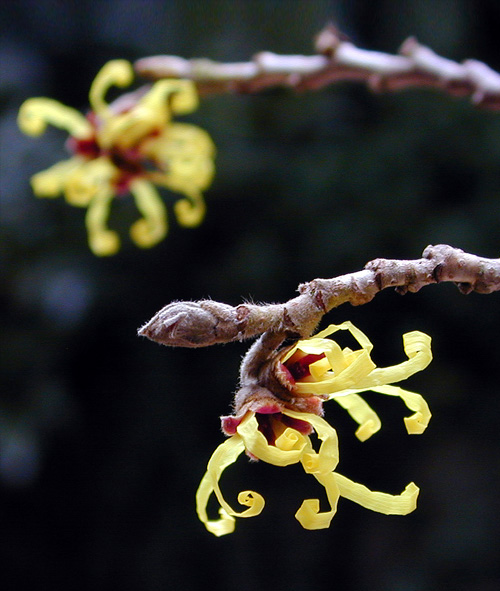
(204,323)
(337,60)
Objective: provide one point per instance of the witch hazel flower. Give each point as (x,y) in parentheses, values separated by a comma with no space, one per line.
(276,415)
(128,146)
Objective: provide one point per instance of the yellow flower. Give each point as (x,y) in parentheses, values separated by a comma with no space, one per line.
(317,369)
(128,146)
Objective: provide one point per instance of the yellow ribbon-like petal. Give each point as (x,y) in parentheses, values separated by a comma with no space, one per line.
(327,458)
(416,423)
(92,177)
(52,181)
(184,96)
(152,228)
(354,370)
(332,384)
(321,464)
(185,153)
(114,73)
(348,368)
(102,241)
(190,212)
(359,335)
(309,516)
(381,502)
(36,113)
(151,113)
(368,420)
(225,455)
(256,443)
(417,347)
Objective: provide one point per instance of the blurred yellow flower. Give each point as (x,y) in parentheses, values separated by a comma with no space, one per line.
(318,369)
(127,146)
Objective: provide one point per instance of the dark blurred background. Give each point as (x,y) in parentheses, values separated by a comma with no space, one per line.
(104,436)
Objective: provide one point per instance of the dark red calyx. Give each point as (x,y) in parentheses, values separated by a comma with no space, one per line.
(88,148)
(299,369)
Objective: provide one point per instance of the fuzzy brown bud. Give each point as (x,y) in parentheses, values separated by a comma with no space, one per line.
(193,324)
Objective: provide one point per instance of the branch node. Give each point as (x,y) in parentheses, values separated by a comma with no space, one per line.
(327,40)
(378,280)
(437,272)
(465,288)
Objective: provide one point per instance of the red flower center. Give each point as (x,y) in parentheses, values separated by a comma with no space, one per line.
(130,162)
(273,425)
(87,148)
(297,368)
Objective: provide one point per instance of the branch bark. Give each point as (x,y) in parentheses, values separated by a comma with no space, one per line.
(204,323)
(337,60)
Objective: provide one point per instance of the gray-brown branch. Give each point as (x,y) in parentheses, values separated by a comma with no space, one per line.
(337,60)
(204,323)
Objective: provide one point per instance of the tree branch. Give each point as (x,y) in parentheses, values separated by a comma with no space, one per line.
(204,323)
(337,60)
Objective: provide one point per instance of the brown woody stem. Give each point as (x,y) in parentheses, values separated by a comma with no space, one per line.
(337,60)
(204,323)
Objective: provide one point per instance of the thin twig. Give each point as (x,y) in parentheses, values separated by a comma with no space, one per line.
(337,60)
(204,323)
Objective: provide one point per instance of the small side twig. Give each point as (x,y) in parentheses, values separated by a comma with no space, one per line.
(337,59)
(204,323)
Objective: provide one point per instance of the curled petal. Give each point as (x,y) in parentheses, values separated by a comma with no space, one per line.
(288,440)
(125,130)
(102,241)
(345,371)
(36,113)
(309,515)
(185,152)
(178,96)
(252,500)
(381,502)
(362,413)
(417,347)
(184,95)
(327,457)
(152,228)
(51,182)
(152,113)
(360,336)
(335,384)
(114,73)
(181,138)
(416,423)
(190,212)
(91,178)
(348,368)
(257,444)
(225,455)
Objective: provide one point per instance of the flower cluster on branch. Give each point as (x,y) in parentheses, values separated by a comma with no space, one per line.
(130,145)
(273,423)
(279,403)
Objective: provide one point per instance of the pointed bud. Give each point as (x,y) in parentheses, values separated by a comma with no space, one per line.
(194,324)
